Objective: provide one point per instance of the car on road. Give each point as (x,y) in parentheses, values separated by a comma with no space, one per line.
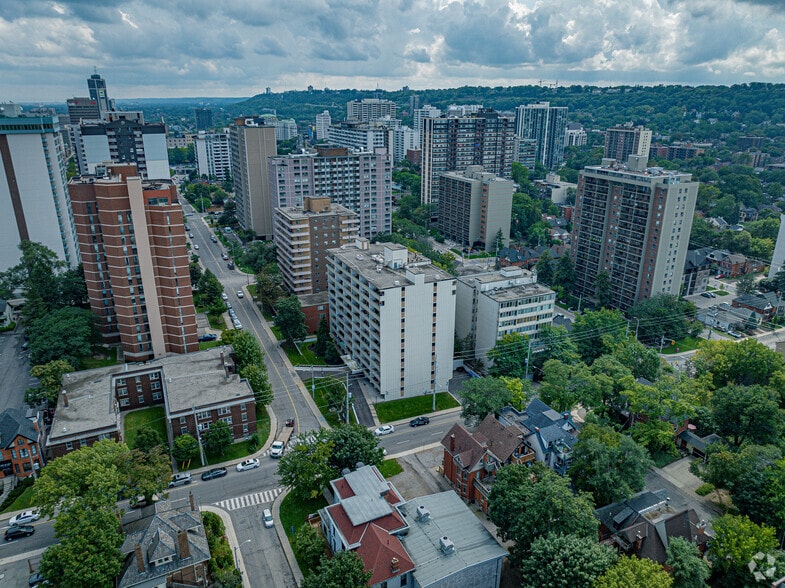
(180,480)
(384,430)
(224,296)
(213,474)
(207,337)
(24,518)
(735,334)
(276,449)
(267,517)
(230,265)
(12,533)
(196,246)
(420,420)
(213,238)
(191,235)
(36,579)
(238,325)
(239,293)
(248,464)
(225,257)
(706,295)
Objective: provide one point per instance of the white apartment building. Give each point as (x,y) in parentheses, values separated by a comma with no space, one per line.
(404,139)
(394,313)
(491,305)
(426,111)
(356,135)
(369,109)
(323,122)
(213,154)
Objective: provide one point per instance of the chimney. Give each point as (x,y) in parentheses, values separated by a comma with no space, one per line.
(185,548)
(394,569)
(452,442)
(222,358)
(191,499)
(566,415)
(139,558)
(65,398)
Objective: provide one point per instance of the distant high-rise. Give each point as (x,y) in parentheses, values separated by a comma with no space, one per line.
(204,118)
(96,85)
(82,109)
(546,126)
(132,240)
(323,122)
(252,143)
(454,143)
(575,136)
(634,223)
(414,103)
(426,111)
(33,195)
(213,155)
(369,109)
(626,140)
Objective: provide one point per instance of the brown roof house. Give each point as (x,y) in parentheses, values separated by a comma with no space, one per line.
(166,546)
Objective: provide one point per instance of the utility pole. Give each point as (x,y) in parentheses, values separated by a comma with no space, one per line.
(528,358)
(662,342)
(435,379)
(313,384)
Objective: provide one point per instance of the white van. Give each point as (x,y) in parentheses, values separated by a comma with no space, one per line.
(267,518)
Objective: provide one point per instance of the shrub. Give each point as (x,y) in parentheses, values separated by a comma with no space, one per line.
(704,489)
(253,442)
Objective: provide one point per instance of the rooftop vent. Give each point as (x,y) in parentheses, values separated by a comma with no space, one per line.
(423,514)
(447,545)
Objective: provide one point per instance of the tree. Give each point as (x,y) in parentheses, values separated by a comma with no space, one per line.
(662,316)
(146,439)
(608,464)
(334,393)
(602,289)
(258,255)
(39,269)
(88,553)
(545,268)
(256,374)
(688,568)
(218,438)
(530,503)
(564,275)
(509,356)
(331,354)
(746,363)
(744,413)
(47,342)
(520,391)
(290,319)
(50,377)
(736,540)
(185,448)
(309,546)
(146,473)
(631,571)
(269,285)
(195,270)
(322,337)
(352,444)
(553,342)
(745,284)
(595,332)
(565,561)
(565,386)
(247,350)
(344,570)
(304,468)
(210,289)
(482,396)
(643,362)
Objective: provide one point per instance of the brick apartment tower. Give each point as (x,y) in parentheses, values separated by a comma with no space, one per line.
(132,240)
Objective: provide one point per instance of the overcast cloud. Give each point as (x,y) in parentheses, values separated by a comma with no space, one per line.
(178,48)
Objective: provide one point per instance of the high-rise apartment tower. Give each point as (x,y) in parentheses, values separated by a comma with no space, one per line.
(546,126)
(626,140)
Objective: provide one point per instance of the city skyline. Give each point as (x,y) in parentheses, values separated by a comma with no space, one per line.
(204,48)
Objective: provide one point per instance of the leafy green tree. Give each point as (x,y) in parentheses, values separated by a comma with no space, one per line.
(483,396)
(553,342)
(564,275)
(88,553)
(218,438)
(631,571)
(736,540)
(247,350)
(309,546)
(602,289)
(334,393)
(745,284)
(290,319)
(595,332)
(643,362)
(304,468)
(608,464)
(344,570)
(210,289)
(256,374)
(147,472)
(195,271)
(530,503)
(520,391)
(226,578)
(322,337)
(509,356)
(746,413)
(662,315)
(544,268)
(48,344)
(565,386)
(756,490)
(331,354)
(185,448)
(565,561)
(50,377)
(746,363)
(269,285)
(352,444)
(147,438)
(258,255)
(688,568)
(39,269)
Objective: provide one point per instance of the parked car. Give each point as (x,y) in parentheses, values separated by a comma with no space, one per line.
(24,518)
(213,474)
(239,293)
(224,296)
(230,265)
(140,502)
(213,238)
(735,334)
(238,325)
(12,533)
(225,257)
(384,430)
(267,517)
(207,337)
(420,420)
(248,464)
(180,480)
(36,579)
(196,246)
(190,235)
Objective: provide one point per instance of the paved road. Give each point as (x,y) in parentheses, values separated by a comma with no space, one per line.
(14,370)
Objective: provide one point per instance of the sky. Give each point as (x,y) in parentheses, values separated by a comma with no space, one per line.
(233,48)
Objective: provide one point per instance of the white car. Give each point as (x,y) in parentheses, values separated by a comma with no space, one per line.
(276,449)
(238,325)
(239,293)
(384,430)
(267,517)
(248,464)
(224,296)
(24,518)
(225,257)
(196,246)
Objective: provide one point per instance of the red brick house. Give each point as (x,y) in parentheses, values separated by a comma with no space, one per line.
(20,443)
(315,307)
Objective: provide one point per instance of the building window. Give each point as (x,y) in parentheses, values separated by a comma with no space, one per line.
(139,388)
(20,441)
(140,399)
(157,395)
(182,420)
(155,385)
(83,442)
(122,391)
(13,454)
(183,430)
(245,416)
(203,415)
(120,381)
(224,410)
(155,376)
(69,446)
(124,402)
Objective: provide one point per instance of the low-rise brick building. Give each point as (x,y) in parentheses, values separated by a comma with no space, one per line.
(20,443)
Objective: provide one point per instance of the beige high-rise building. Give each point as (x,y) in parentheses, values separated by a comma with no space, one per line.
(303,236)
(252,143)
(132,241)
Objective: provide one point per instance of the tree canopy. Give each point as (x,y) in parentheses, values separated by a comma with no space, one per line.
(483,396)
(565,561)
(290,319)
(631,571)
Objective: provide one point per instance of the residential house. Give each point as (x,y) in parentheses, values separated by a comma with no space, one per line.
(472,460)
(552,435)
(20,443)
(724,317)
(689,442)
(644,524)
(166,546)
(315,307)
(767,305)
(527,257)
(697,270)
(731,265)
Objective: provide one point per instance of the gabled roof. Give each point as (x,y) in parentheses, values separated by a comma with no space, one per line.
(391,521)
(503,440)
(468,448)
(378,549)
(13,424)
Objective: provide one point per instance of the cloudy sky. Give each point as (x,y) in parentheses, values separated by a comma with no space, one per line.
(179,48)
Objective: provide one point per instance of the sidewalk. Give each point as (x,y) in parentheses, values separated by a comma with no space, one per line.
(231,537)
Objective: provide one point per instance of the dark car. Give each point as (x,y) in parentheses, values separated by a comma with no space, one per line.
(230,265)
(706,295)
(12,533)
(214,473)
(208,337)
(420,420)
(36,579)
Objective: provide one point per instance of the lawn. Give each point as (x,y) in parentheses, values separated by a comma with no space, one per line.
(306,357)
(102,357)
(390,467)
(682,345)
(241,449)
(295,512)
(722,292)
(209,344)
(24,501)
(405,408)
(153,417)
(318,395)
(251,290)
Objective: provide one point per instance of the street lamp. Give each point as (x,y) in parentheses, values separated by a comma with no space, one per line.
(236,547)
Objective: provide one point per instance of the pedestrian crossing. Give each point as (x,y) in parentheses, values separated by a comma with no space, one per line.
(249,499)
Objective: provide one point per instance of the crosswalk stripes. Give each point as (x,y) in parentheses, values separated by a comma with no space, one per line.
(249,499)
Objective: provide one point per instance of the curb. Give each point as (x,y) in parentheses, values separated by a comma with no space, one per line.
(284,538)
(231,538)
(428,414)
